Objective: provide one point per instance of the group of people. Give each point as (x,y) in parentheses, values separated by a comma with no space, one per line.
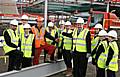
(24,44)
(105,52)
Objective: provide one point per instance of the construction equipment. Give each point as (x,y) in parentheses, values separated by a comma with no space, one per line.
(107,19)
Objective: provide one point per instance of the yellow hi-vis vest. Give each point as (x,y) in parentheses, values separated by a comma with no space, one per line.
(14,40)
(52,33)
(113,65)
(94,43)
(74,38)
(67,43)
(20,30)
(101,63)
(26,45)
(60,36)
(81,41)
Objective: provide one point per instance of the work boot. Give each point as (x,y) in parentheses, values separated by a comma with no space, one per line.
(68,72)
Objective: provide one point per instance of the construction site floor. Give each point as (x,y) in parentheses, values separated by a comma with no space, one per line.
(90,72)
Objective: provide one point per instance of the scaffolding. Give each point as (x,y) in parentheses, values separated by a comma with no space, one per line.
(8,7)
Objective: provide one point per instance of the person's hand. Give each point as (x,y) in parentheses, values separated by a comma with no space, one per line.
(57,40)
(18,48)
(106,67)
(88,55)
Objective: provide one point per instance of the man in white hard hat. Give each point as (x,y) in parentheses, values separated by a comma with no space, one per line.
(60,44)
(113,52)
(98,27)
(101,50)
(61,23)
(95,41)
(81,49)
(53,32)
(24,20)
(80,21)
(27,46)
(67,47)
(11,46)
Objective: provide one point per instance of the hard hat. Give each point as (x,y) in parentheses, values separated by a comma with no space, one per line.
(98,26)
(14,22)
(68,23)
(112,33)
(61,22)
(102,33)
(24,17)
(40,18)
(26,26)
(50,24)
(80,20)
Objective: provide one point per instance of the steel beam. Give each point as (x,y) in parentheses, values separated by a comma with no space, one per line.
(41,70)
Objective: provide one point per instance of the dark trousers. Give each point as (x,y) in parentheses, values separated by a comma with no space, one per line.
(111,73)
(79,64)
(15,59)
(59,54)
(26,62)
(67,56)
(100,72)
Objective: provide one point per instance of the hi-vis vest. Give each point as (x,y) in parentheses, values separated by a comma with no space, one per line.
(14,40)
(39,36)
(113,65)
(81,41)
(60,36)
(67,43)
(26,45)
(20,30)
(94,43)
(52,33)
(74,38)
(101,63)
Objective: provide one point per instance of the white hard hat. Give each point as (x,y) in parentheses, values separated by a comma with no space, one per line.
(24,17)
(61,22)
(14,22)
(26,26)
(102,33)
(80,20)
(50,24)
(99,26)
(112,33)
(68,23)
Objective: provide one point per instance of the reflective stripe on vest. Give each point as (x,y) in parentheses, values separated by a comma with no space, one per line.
(81,41)
(94,43)
(53,32)
(20,30)
(26,45)
(74,38)
(113,65)
(67,42)
(14,40)
(101,63)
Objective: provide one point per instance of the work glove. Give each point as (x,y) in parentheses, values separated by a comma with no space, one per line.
(106,67)
(88,55)
(18,48)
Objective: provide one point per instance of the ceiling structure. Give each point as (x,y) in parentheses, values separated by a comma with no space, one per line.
(56,7)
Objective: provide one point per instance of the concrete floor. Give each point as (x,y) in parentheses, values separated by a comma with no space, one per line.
(90,72)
